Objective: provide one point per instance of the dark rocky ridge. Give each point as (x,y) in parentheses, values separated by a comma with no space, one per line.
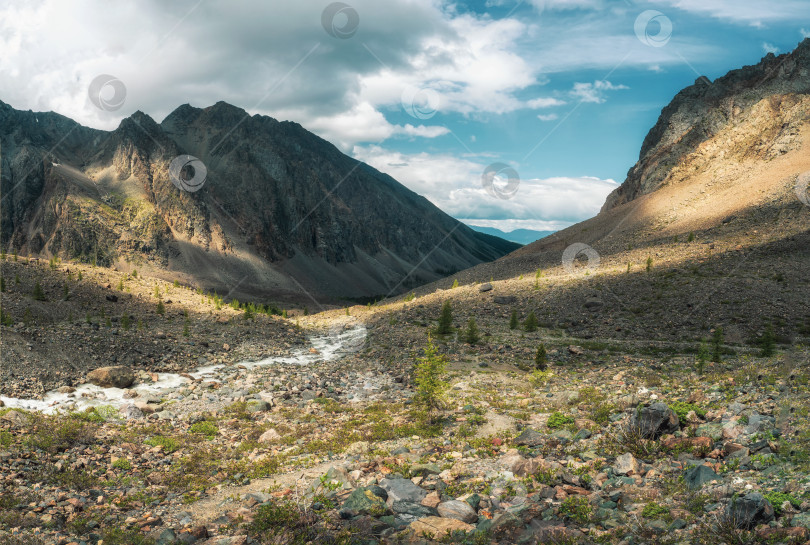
(278,202)
(700,111)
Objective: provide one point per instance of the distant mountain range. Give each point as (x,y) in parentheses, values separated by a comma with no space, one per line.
(521,236)
(281,212)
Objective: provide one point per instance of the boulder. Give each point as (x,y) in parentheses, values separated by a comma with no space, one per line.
(750,510)
(626,464)
(362,501)
(505,299)
(415,510)
(529,438)
(402,489)
(132,412)
(257,406)
(696,477)
(459,510)
(116,376)
(485,287)
(655,420)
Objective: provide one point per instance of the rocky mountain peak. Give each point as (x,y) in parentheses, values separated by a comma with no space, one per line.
(700,111)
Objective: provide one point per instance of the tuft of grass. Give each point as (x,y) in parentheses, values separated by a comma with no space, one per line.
(682,408)
(206,428)
(558,420)
(122,463)
(169,444)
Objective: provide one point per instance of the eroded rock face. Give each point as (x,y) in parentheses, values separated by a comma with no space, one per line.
(116,376)
(702,110)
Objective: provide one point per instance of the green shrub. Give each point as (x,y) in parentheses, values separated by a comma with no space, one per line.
(653,510)
(102,413)
(119,536)
(539,378)
(682,409)
(559,420)
(576,508)
(59,434)
(122,463)
(207,428)
(513,320)
(288,523)
(160,308)
(778,498)
(169,445)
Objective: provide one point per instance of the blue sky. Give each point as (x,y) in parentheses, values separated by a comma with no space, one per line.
(429,91)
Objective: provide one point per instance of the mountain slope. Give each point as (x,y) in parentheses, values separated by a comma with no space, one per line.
(282,212)
(725,230)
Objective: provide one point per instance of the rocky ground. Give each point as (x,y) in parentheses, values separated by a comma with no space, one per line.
(88,317)
(616,442)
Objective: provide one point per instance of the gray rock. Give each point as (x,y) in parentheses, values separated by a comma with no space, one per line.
(165,415)
(413,509)
(802,519)
(485,287)
(696,477)
(166,537)
(257,406)
(713,430)
(529,438)
(750,510)
(563,435)
(505,299)
(132,412)
(678,524)
(402,489)
(593,304)
(459,510)
(626,464)
(655,420)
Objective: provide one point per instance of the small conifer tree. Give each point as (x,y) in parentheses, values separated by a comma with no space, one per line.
(530,324)
(445,319)
(471,335)
(541,358)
